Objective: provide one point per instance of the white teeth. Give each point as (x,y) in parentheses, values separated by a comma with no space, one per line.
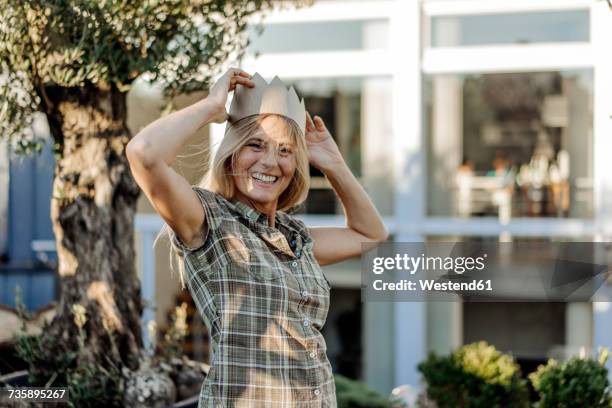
(265,178)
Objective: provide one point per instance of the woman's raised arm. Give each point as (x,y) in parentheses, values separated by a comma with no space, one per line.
(152,151)
(363,222)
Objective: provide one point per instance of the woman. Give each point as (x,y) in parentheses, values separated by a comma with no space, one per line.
(252,269)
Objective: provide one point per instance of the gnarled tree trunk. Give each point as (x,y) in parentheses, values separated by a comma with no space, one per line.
(92,211)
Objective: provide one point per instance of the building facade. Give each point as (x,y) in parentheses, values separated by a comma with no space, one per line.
(464,120)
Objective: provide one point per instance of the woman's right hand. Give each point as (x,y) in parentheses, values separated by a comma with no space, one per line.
(219,92)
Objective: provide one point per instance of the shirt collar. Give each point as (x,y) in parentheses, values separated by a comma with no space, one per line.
(251,213)
(282,223)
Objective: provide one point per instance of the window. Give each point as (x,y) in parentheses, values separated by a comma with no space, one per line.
(542,328)
(343,333)
(319,36)
(357,112)
(510,145)
(510,28)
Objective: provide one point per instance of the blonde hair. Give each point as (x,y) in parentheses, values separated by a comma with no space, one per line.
(219,177)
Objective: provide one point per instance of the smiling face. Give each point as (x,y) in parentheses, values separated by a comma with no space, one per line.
(264,166)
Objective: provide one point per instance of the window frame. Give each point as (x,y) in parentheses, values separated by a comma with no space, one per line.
(360,64)
(518,58)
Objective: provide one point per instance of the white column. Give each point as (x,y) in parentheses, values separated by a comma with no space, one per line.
(409,160)
(377,142)
(444,326)
(601,32)
(147,283)
(446,143)
(578,327)
(146,227)
(602,330)
(446,130)
(378,344)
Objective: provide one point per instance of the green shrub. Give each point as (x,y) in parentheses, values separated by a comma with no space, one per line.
(355,394)
(89,383)
(474,376)
(575,383)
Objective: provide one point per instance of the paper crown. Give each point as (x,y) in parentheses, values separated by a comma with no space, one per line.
(267,98)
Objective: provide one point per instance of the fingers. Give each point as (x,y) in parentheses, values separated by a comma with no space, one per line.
(309,123)
(237,71)
(316,124)
(235,80)
(244,74)
(238,76)
(320,125)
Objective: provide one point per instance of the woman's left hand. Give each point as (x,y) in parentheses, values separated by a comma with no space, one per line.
(323,152)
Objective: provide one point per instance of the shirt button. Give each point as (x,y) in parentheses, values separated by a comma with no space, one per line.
(304,294)
(317,392)
(294,264)
(306,323)
(312,354)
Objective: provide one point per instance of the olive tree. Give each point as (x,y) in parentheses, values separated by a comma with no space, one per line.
(74,61)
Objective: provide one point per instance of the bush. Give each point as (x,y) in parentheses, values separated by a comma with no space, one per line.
(354,394)
(474,376)
(96,383)
(89,383)
(575,383)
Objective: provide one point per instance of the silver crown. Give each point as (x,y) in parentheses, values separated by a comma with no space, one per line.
(267,98)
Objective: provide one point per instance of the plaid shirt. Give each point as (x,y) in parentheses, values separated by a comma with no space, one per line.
(264,299)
